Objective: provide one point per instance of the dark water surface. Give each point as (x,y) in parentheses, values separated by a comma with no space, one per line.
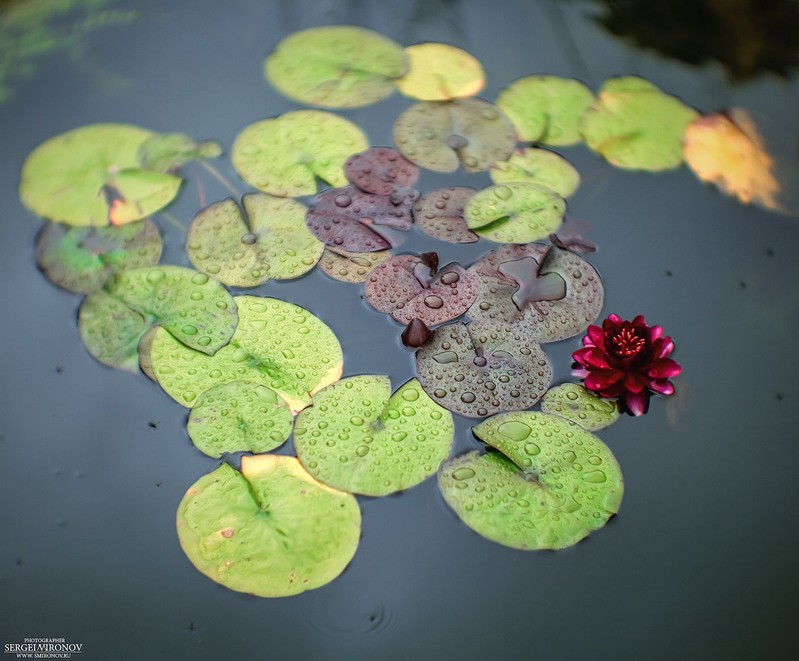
(700,563)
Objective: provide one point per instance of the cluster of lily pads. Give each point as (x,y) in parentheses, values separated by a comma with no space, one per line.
(256,370)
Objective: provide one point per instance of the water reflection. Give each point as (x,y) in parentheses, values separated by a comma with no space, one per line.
(747,37)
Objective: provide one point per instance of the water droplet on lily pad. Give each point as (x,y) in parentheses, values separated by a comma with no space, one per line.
(549,499)
(271,530)
(390,424)
(336,66)
(284,156)
(91,176)
(239,416)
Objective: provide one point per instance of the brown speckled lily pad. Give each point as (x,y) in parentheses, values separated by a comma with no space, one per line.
(353,220)
(380,170)
(351,266)
(537,304)
(440,214)
(478,370)
(440,135)
(407,288)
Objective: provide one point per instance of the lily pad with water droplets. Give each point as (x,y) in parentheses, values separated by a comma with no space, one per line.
(550,485)
(352,267)
(283,156)
(91,176)
(440,135)
(82,259)
(546,109)
(406,288)
(380,170)
(276,344)
(517,212)
(267,240)
(636,126)
(538,166)
(239,416)
(166,152)
(355,221)
(440,214)
(336,66)
(480,370)
(357,437)
(549,293)
(576,403)
(440,72)
(271,530)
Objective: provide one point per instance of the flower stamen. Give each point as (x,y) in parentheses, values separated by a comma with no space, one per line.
(627,342)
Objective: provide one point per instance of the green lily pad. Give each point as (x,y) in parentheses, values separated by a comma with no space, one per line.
(478,370)
(515,212)
(195,310)
(538,166)
(440,214)
(440,135)
(576,403)
(91,176)
(82,259)
(357,437)
(546,109)
(111,331)
(351,267)
(336,66)
(271,530)
(636,126)
(267,240)
(239,416)
(166,152)
(553,483)
(283,156)
(276,344)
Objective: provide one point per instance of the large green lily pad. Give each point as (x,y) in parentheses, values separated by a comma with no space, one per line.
(276,344)
(359,438)
(538,166)
(636,126)
(336,66)
(551,483)
(196,311)
(546,109)
(283,156)
(267,240)
(271,530)
(578,404)
(440,135)
(479,370)
(91,176)
(517,212)
(82,259)
(239,416)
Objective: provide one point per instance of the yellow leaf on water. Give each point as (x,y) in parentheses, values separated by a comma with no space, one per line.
(440,72)
(725,149)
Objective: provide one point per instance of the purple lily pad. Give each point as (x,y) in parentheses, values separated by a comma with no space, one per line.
(380,170)
(440,214)
(570,236)
(549,293)
(478,370)
(353,220)
(408,287)
(440,135)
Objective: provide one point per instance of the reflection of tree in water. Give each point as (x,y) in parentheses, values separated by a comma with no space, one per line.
(33,29)
(747,37)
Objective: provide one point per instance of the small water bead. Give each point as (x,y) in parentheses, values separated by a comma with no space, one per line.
(189,330)
(480,361)
(468,397)
(410,395)
(434,302)
(362,450)
(463,473)
(595,477)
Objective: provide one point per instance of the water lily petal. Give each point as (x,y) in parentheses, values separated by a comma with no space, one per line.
(662,386)
(655,333)
(591,357)
(634,383)
(637,403)
(603,378)
(664,368)
(662,347)
(596,336)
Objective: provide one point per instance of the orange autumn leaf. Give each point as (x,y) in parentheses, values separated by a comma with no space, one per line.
(725,149)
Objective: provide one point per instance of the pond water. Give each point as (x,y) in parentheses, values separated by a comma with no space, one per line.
(700,561)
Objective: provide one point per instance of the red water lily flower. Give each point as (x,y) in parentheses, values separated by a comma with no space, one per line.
(628,360)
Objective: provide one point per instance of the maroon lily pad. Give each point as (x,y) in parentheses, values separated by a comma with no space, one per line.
(440,214)
(547,292)
(409,287)
(481,369)
(353,220)
(380,170)
(570,236)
